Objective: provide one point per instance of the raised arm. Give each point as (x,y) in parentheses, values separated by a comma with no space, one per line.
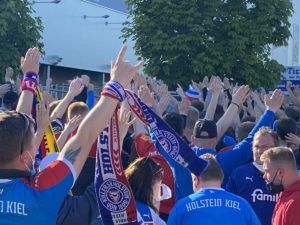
(75,89)
(77,148)
(30,68)
(215,88)
(294,99)
(237,100)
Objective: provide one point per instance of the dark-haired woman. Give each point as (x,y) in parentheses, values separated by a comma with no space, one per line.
(145,176)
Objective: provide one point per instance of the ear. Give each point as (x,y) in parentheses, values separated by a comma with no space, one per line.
(215,140)
(23,156)
(281,172)
(196,182)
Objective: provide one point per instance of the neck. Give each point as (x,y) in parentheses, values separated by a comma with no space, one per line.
(205,144)
(211,183)
(13,166)
(188,133)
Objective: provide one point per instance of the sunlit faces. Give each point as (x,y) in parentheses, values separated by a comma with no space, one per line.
(260,145)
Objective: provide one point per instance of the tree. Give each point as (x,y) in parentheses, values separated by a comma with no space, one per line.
(180,40)
(19,30)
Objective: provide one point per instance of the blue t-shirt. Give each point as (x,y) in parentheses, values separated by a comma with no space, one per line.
(36,201)
(247,181)
(213,206)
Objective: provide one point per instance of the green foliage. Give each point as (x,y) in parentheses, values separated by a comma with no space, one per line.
(18,32)
(180,40)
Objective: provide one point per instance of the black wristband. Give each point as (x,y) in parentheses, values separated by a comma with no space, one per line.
(236,104)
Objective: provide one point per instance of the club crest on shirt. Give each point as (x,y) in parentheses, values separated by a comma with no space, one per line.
(114,195)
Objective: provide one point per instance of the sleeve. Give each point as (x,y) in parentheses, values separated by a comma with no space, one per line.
(242,153)
(291,212)
(231,185)
(53,183)
(90,99)
(79,210)
(252,217)
(174,217)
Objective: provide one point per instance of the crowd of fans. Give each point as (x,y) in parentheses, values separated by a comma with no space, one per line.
(237,160)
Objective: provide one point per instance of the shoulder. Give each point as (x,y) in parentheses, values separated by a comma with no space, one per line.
(54,174)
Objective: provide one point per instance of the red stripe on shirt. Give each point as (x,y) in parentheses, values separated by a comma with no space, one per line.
(50,176)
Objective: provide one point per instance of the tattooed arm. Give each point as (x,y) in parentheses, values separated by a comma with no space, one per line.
(77,148)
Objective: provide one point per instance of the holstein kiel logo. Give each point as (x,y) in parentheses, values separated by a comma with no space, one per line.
(169,142)
(114,195)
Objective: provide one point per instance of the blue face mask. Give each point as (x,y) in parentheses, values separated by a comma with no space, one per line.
(31,168)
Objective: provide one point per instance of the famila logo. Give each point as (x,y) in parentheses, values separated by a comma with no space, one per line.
(259,195)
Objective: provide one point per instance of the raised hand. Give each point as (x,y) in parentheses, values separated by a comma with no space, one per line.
(183,106)
(85,80)
(43,117)
(226,83)
(215,85)
(274,102)
(288,85)
(180,91)
(73,123)
(4,88)
(76,87)
(121,70)
(293,139)
(124,119)
(241,94)
(31,61)
(205,81)
(146,96)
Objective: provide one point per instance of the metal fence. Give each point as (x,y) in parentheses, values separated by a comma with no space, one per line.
(59,91)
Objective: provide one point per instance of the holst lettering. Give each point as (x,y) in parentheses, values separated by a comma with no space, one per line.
(106,162)
(204,203)
(212,202)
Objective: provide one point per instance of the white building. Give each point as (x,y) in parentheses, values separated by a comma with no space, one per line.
(290,55)
(86,35)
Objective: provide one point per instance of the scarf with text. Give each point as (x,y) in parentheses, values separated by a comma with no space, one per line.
(114,196)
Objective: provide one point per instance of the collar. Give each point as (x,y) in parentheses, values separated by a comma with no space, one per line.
(8,174)
(259,167)
(212,188)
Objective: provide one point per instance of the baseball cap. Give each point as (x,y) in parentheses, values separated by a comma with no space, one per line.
(207,126)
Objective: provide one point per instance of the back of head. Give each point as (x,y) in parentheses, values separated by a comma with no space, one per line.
(286,126)
(17,127)
(248,119)
(192,118)
(292,112)
(213,171)
(10,100)
(142,175)
(77,108)
(198,105)
(280,155)
(243,130)
(205,129)
(175,121)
